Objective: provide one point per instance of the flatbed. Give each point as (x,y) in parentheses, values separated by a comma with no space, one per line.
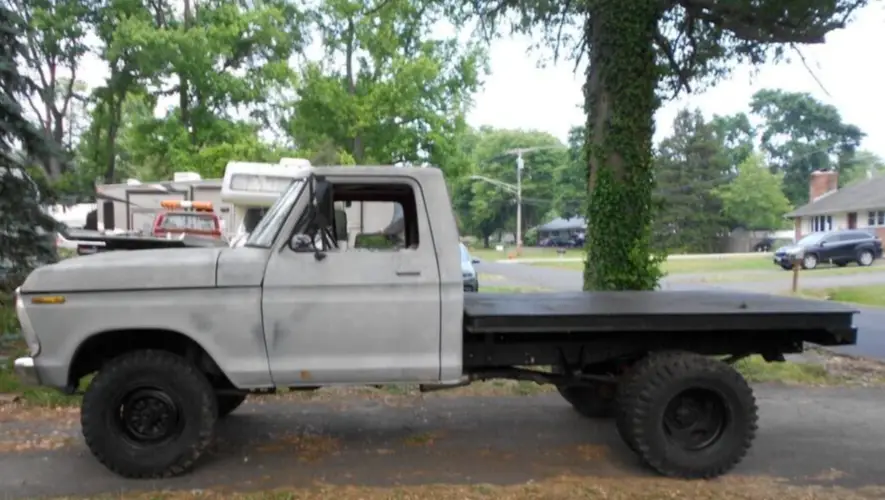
(659,312)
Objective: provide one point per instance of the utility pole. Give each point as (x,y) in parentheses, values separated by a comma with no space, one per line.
(520,164)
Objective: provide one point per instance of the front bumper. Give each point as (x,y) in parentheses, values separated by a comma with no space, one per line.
(26,371)
(784,259)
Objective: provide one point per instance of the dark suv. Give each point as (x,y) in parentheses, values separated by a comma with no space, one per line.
(837,247)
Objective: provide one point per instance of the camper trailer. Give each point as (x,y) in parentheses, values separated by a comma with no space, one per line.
(250,188)
(239,199)
(132,207)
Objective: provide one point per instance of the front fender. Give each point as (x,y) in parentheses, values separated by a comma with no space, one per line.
(226,322)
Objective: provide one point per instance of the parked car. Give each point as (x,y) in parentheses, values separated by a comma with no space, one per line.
(560,242)
(837,247)
(471,280)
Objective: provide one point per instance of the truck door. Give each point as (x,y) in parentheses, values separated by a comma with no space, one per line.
(363,313)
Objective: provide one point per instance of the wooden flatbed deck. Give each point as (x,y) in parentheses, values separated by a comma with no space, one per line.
(658,311)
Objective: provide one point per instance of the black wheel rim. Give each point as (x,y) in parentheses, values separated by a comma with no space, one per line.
(695,419)
(148,416)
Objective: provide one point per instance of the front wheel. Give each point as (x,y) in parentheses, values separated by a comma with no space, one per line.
(809,261)
(865,258)
(149,414)
(686,415)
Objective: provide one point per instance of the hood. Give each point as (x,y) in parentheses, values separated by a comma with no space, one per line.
(467,267)
(788,249)
(161,268)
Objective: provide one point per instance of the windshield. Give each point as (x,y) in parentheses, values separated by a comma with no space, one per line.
(465,256)
(811,239)
(185,221)
(270,224)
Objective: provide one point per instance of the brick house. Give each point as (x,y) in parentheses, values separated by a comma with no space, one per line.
(858,206)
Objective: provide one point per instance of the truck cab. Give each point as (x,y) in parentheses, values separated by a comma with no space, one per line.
(406,268)
(180,218)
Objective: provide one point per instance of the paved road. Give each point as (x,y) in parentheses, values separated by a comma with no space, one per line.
(804,433)
(870,321)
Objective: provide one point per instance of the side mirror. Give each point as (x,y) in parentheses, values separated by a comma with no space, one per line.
(301,243)
(474,260)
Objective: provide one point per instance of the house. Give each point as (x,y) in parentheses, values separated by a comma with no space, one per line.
(858,206)
(563,228)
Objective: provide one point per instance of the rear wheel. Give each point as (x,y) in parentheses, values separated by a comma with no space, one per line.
(148,414)
(687,415)
(865,258)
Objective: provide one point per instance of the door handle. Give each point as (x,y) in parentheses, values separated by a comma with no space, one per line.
(408,273)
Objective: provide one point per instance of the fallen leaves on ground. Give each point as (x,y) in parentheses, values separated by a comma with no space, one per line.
(309,447)
(561,488)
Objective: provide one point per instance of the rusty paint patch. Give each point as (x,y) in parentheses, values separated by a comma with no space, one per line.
(306,375)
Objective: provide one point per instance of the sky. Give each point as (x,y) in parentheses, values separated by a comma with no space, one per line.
(519,95)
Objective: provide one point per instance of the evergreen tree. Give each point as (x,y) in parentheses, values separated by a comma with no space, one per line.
(26,231)
(689,166)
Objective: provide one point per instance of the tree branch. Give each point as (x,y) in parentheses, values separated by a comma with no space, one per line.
(750,27)
(69,91)
(374,10)
(682,75)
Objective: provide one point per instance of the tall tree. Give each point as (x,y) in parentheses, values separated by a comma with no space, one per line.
(570,179)
(754,199)
(636,49)
(26,231)
(801,134)
(737,135)
(55,42)
(388,89)
(690,165)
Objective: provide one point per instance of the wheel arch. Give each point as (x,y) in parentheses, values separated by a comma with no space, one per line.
(103,346)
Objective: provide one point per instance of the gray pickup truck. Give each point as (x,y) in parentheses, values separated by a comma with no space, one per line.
(177,338)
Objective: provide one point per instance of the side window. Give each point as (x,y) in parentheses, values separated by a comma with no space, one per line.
(375,217)
(379,216)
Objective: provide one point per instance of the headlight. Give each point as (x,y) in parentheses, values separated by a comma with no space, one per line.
(27,330)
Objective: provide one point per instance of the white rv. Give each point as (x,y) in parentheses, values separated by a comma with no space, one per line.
(250,188)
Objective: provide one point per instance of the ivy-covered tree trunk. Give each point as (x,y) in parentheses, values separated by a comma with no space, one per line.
(620,103)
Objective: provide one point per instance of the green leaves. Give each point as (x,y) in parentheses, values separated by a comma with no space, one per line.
(26,231)
(388,90)
(689,166)
(754,199)
(800,135)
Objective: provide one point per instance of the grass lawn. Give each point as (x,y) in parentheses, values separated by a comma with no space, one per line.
(869,295)
(490,254)
(695,265)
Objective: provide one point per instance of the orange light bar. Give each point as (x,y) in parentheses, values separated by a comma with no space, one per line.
(196,205)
